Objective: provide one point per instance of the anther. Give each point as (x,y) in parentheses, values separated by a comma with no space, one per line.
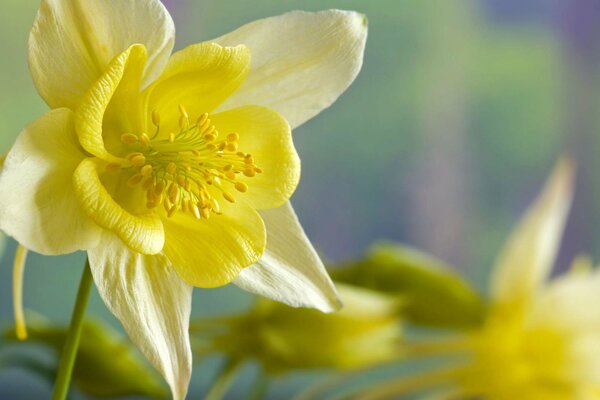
(241,187)
(145,139)
(135,180)
(183,111)
(229,197)
(113,167)
(156,118)
(233,137)
(171,168)
(215,205)
(137,160)
(232,146)
(202,119)
(146,170)
(196,211)
(171,211)
(171,137)
(129,138)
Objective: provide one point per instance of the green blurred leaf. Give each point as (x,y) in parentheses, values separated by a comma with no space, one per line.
(106,364)
(432,293)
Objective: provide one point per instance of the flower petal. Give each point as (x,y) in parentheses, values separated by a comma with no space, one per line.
(267,136)
(290,271)
(110,108)
(72,42)
(199,77)
(38,206)
(211,253)
(529,253)
(153,304)
(301,62)
(143,233)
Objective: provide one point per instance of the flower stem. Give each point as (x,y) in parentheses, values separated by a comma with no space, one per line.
(223,381)
(401,387)
(69,352)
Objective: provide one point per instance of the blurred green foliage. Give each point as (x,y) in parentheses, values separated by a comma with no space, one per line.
(106,366)
(433,294)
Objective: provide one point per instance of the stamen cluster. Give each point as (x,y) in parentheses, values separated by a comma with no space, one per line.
(187,170)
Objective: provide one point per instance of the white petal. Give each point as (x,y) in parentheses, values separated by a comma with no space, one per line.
(153,304)
(301,62)
(73,41)
(38,206)
(290,270)
(531,249)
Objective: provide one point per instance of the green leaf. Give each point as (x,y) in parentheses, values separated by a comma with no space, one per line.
(106,365)
(433,294)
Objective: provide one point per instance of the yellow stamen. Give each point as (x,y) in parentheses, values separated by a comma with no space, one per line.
(129,138)
(146,170)
(156,118)
(229,197)
(18,272)
(145,139)
(241,187)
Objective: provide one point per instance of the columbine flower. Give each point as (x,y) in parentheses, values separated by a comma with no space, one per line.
(541,337)
(367,331)
(174,172)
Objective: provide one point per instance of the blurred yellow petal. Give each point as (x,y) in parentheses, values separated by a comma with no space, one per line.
(301,62)
(212,252)
(72,42)
(265,135)
(528,256)
(152,303)
(37,197)
(116,90)
(199,77)
(290,270)
(142,233)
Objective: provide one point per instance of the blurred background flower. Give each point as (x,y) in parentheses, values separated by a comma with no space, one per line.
(458,114)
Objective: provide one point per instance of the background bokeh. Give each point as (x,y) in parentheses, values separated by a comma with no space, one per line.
(458,115)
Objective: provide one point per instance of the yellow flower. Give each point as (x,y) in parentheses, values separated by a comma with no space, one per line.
(541,337)
(367,331)
(174,171)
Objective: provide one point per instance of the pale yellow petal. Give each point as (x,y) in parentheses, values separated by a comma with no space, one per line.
(38,205)
(73,41)
(152,302)
(199,77)
(301,62)
(265,135)
(211,253)
(111,106)
(141,232)
(290,270)
(529,253)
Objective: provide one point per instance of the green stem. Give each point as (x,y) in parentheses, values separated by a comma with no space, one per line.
(261,387)
(223,380)
(401,387)
(69,352)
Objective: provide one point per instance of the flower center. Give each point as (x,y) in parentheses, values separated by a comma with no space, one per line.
(187,171)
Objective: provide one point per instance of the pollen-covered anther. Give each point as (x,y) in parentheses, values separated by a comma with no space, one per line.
(229,197)
(241,187)
(156,118)
(146,170)
(129,138)
(144,139)
(113,167)
(135,180)
(137,159)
